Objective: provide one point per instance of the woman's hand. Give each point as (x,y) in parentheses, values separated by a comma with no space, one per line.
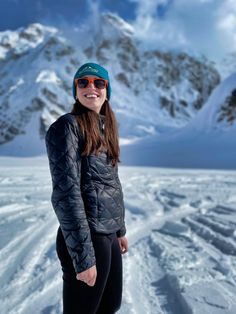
(88,276)
(123,242)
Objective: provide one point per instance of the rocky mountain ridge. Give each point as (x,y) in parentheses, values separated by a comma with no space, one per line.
(154,92)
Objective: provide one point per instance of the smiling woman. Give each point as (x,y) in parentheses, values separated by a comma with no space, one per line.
(83,152)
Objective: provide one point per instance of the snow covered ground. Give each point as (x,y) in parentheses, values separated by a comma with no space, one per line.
(182,240)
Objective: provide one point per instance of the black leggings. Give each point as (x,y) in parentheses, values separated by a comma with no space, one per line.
(106,295)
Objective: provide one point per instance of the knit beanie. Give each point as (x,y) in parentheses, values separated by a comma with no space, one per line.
(92,69)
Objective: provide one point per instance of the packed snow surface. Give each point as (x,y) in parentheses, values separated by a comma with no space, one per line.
(181,227)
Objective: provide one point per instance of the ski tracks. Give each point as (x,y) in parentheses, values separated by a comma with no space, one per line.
(182,254)
(181,233)
(29,272)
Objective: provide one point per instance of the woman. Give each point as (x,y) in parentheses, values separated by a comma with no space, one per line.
(87,197)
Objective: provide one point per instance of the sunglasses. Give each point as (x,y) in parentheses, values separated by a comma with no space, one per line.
(97,82)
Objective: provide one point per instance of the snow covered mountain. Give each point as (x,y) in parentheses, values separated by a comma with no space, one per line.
(165,88)
(219,113)
(36,64)
(154,92)
(227,65)
(208,141)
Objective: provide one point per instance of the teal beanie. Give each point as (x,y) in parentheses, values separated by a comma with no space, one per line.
(92,69)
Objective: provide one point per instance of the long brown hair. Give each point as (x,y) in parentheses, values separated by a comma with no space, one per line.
(94,142)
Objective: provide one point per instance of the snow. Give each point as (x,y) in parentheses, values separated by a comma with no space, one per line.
(48,77)
(21,144)
(181,224)
(25,38)
(3,52)
(181,228)
(203,143)
(19,82)
(227,65)
(206,119)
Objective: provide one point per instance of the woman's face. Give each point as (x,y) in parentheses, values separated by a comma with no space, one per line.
(90,96)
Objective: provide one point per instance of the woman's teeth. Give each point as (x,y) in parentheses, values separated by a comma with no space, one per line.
(91,96)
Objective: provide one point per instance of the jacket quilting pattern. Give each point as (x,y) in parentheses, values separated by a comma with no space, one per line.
(86,191)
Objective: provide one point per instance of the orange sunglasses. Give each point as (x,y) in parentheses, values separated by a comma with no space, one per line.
(99,83)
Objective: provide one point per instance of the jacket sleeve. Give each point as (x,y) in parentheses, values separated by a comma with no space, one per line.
(62,143)
(122,231)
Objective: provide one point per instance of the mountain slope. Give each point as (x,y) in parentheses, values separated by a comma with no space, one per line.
(208,141)
(160,89)
(36,66)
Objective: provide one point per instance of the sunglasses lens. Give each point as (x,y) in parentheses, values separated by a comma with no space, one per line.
(82,83)
(100,84)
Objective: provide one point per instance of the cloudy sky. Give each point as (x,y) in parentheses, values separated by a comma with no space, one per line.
(205,26)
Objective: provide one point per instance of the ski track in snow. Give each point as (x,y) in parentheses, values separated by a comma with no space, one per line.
(181,227)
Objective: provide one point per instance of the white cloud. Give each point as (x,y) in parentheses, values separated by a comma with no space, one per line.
(156,31)
(204,26)
(227,15)
(226,24)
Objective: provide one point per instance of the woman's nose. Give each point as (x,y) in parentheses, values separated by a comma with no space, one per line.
(91,85)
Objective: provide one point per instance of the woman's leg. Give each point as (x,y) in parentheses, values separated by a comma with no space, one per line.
(78,297)
(112,295)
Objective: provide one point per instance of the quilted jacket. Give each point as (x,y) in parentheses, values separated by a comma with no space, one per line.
(87,195)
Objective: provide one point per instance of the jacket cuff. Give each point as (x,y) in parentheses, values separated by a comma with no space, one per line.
(120,233)
(79,268)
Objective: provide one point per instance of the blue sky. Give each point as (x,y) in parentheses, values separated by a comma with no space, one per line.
(16,13)
(205,26)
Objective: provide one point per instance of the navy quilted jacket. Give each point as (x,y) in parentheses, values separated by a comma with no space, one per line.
(87,195)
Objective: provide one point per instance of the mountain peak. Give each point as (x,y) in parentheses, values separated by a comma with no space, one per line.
(116,22)
(22,39)
(35,30)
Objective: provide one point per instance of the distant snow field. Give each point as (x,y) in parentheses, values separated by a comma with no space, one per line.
(181,227)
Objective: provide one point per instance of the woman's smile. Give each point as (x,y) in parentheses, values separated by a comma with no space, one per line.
(91,97)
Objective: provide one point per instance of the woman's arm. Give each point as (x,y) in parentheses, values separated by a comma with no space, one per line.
(62,142)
